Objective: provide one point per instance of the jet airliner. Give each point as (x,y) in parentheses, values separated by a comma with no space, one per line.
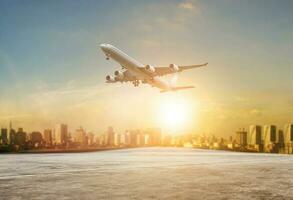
(136,72)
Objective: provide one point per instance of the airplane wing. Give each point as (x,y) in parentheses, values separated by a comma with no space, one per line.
(127,76)
(160,71)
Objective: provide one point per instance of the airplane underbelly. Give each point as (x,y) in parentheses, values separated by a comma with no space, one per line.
(131,65)
(134,68)
(157,82)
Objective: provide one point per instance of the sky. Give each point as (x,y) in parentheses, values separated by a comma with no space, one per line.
(53,71)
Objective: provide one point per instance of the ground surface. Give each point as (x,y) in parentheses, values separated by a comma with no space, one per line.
(147,173)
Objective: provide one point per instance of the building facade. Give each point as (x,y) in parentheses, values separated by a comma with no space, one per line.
(288,138)
(48,138)
(254,137)
(241,138)
(269,138)
(61,134)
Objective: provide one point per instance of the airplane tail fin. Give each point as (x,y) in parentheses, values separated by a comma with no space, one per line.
(178,88)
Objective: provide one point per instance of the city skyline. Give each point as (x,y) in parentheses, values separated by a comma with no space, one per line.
(52,70)
(256,138)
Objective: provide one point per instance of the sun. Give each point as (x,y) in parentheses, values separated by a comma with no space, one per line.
(174,113)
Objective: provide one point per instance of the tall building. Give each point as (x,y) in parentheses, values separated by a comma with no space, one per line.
(139,138)
(20,137)
(90,138)
(12,136)
(280,137)
(130,137)
(147,139)
(280,141)
(288,138)
(110,136)
(48,137)
(154,136)
(36,138)
(80,136)
(241,138)
(269,138)
(102,140)
(288,133)
(61,134)
(270,134)
(4,136)
(166,141)
(123,139)
(127,138)
(254,137)
(117,139)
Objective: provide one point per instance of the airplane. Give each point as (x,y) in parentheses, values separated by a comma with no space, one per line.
(136,72)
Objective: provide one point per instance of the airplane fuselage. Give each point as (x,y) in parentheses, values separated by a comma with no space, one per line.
(133,66)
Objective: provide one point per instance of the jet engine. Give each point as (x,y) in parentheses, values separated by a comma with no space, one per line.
(150,68)
(110,78)
(119,74)
(174,67)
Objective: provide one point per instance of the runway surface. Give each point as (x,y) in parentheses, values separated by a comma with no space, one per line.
(147,173)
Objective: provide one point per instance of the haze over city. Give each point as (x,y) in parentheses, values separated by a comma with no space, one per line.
(205,110)
(52,70)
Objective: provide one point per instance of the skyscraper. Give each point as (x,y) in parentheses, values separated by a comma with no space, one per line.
(20,138)
(146,139)
(48,137)
(123,139)
(280,137)
(117,139)
(4,136)
(36,138)
(80,136)
(254,137)
(241,138)
(128,138)
(90,138)
(288,138)
(154,136)
(269,138)
(11,135)
(110,136)
(139,141)
(61,134)
(270,133)
(280,140)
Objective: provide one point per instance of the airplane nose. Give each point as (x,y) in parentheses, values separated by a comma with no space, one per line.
(103,46)
(106,47)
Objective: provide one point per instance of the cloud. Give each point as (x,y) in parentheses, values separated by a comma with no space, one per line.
(255,111)
(186,6)
(17,116)
(65,96)
(160,23)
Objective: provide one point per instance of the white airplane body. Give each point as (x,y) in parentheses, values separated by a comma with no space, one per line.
(136,71)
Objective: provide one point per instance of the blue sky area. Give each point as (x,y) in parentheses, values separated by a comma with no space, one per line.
(52,48)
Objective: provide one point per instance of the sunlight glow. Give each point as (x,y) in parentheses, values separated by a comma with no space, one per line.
(174,113)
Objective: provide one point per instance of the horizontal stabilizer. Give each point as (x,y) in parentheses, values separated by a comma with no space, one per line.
(178,88)
(182,88)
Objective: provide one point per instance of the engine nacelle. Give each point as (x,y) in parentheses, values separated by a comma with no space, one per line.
(150,68)
(174,67)
(110,78)
(119,74)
